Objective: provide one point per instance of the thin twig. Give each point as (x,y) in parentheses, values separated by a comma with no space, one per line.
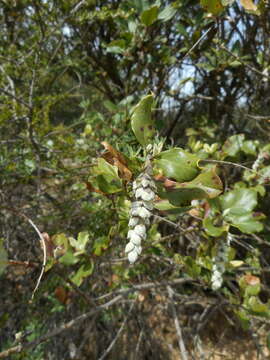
(146,286)
(245,64)
(14,97)
(109,348)
(59,330)
(44,255)
(178,329)
(138,344)
(231,164)
(196,43)
(169,222)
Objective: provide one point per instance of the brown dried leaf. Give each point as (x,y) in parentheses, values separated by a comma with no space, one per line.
(114,157)
(49,244)
(252,280)
(61,294)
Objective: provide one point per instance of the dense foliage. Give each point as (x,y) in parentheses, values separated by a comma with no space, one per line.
(134,177)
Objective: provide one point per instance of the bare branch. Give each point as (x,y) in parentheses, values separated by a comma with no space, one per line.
(109,348)
(178,329)
(59,330)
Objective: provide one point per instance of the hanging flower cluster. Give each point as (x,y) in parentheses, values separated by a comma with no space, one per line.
(220,261)
(259,161)
(144,192)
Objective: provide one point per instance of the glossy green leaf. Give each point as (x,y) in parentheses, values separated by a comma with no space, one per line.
(239,201)
(213,230)
(3,257)
(205,185)
(234,144)
(176,164)
(250,147)
(141,120)
(149,16)
(237,206)
(208,182)
(245,223)
(167,13)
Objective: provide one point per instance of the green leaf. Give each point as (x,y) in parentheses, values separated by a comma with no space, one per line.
(208,182)
(141,121)
(233,145)
(149,16)
(214,7)
(83,272)
(68,258)
(165,205)
(105,177)
(237,206)
(212,230)
(244,319)
(250,147)
(239,201)
(61,240)
(205,185)
(167,13)
(245,223)
(192,269)
(116,46)
(80,243)
(101,244)
(176,164)
(256,306)
(3,257)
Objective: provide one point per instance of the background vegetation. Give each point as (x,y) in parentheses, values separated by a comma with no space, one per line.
(71,73)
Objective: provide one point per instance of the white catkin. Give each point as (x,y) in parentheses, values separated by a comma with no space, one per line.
(144,193)
(258,162)
(219,262)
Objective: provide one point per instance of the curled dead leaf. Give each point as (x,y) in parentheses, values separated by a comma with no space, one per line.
(252,280)
(114,157)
